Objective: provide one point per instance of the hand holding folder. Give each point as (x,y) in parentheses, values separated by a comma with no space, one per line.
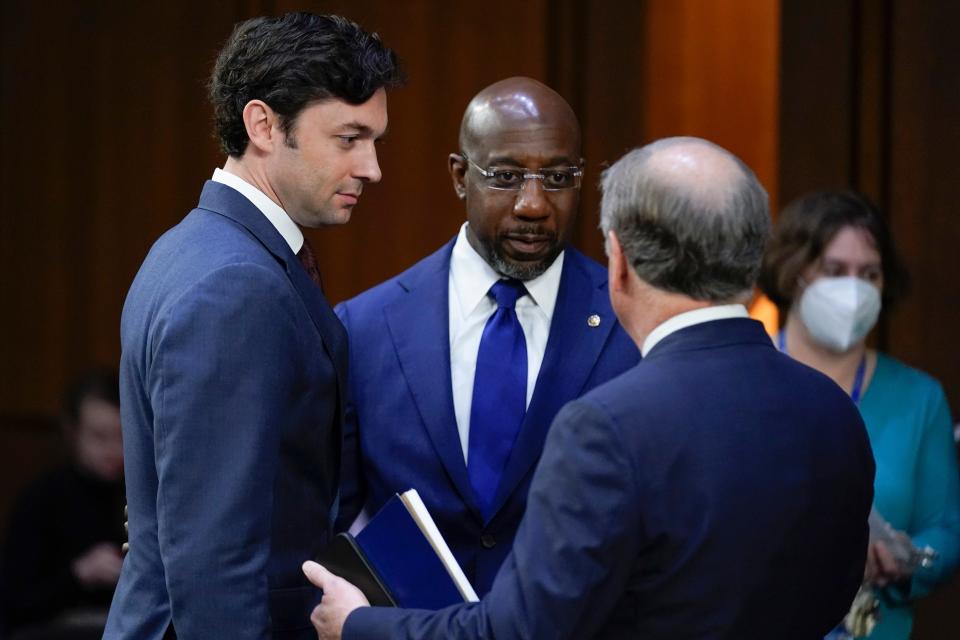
(340,599)
(400,559)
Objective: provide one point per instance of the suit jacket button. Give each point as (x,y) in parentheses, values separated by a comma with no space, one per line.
(488,541)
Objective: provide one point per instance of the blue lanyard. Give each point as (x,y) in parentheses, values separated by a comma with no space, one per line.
(857,378)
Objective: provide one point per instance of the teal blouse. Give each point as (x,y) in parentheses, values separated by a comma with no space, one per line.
(917,485)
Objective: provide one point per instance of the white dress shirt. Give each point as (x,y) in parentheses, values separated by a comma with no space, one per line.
(273,212)
(470,308)
(690,318)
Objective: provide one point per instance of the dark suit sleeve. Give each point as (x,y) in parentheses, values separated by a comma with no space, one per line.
(352,487)
(573,553)
(222,378)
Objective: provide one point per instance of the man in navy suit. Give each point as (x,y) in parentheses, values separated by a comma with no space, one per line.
(438,406)
(233,372)
(718,489)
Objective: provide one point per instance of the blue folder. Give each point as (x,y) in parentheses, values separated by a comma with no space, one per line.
(395,557)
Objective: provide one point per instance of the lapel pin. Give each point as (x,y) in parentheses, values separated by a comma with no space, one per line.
(593,321)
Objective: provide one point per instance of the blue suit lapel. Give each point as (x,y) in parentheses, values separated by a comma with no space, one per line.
(227,202)
(420,328)
(573,348)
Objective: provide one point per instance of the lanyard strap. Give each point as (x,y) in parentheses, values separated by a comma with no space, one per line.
(857,378)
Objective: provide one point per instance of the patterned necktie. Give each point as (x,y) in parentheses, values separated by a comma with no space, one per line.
(499,394)
(309,262)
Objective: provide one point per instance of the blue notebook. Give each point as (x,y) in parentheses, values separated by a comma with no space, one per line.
(400,559)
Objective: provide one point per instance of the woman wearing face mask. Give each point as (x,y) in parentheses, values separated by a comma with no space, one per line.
(830,267)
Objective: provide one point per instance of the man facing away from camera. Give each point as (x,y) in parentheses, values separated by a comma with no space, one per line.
(233,371)
(716,490)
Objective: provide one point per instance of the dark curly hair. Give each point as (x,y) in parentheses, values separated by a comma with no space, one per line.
(291,62)
(804,229)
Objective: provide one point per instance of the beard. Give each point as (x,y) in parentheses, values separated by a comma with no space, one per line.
(526,270)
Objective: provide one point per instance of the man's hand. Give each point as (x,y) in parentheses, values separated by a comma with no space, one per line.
(340,598)
(99,566)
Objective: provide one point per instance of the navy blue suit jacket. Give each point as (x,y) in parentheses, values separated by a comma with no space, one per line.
(233,382)
(403,403)
(717,490)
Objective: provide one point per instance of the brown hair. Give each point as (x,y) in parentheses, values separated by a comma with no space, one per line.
(805,228)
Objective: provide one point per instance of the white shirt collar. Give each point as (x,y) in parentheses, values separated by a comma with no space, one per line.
(690,318)
(473,277)
(273,212)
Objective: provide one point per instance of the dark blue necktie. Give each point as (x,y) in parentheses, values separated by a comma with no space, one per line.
(499,394)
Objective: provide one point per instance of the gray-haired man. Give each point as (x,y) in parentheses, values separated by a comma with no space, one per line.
(687,498)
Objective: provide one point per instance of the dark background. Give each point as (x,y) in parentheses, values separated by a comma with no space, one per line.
(106,141)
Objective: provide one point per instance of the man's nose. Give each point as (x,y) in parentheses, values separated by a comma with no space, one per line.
(531,200)
(367,168)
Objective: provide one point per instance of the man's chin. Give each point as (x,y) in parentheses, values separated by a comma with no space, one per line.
(525,269)
(329,218)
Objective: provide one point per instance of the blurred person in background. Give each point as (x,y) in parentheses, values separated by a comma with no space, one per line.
(61,556)
(830,268)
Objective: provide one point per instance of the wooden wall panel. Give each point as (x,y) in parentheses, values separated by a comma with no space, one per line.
(604,83)
(637,71)
(711,70)
(816,92)
(106,145)
(834,102)
(923,177)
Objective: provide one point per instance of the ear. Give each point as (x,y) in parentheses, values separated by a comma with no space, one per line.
(262,125)
(618,269)
(457,166)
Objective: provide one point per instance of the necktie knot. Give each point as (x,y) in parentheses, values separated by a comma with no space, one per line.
(506,292)
(309,262)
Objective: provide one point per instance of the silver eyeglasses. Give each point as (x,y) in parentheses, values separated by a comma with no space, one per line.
(512,178)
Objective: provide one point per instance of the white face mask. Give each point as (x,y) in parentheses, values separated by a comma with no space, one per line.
(839,312)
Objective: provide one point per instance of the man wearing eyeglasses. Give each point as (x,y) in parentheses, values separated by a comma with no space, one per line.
(459,365)
(688,497)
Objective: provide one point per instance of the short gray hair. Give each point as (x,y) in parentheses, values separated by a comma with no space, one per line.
(679,242)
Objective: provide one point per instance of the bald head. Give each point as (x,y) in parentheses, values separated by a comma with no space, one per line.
(516,104)
(691,217)
(518,174)
(708,175)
